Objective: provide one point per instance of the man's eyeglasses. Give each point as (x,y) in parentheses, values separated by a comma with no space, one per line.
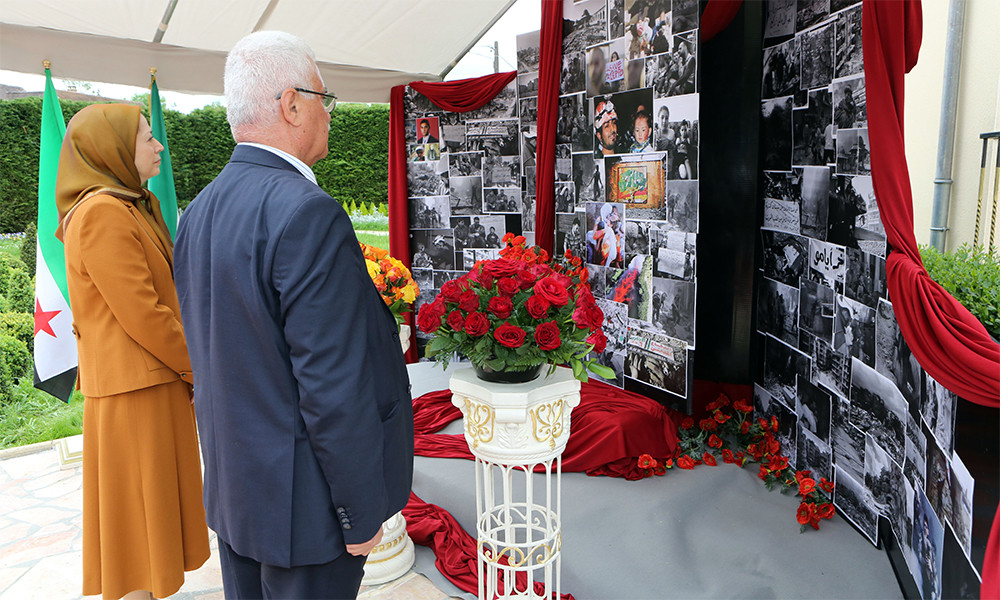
(329,100)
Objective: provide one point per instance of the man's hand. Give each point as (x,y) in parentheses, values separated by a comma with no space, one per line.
(365,548)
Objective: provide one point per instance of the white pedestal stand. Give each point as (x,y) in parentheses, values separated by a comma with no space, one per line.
(392,558)
(512,429)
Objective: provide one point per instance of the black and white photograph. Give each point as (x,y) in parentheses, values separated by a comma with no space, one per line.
(854,330)
(902,514)
(564,163)
(527,85)
(584,174)
(424,278)
(879,478)
(427,178)
(636,239)
(938,411)
(442,277)
(827,264)
(778,310)
(466,195)
(813,454)
(781,364)
(814,186)
(432,212)
(816,309)
(850,108)
(893,358)
(814,408)
(416,103)
(465,164)
(616,19)
(851,500)
(564,194)
(673,308)
(452,133)
(501,171)
(616,329)
(938,484)
(915,461)
(848,52)
(811,12)
(657,69)
(810,127)
(682,206)
(782,215)
(495,138)
(570,234)
(779,18)
(878,409)
(960,519)
(776,133)
(571,126)
(433,249)
(527,112)
(502,106)
(867,233)
(527,213)
(830,369)
(853,154)
(847,440)
(597,278)
(781,69)
(845,207)
(480,228)
(572,76)
(861,282)
(584,24)
(785,256)
(502,200)
(681,67)
(816,53)
(685,15)
(528,53)
(657,360)
(767,406)
(674,253)
(928,547)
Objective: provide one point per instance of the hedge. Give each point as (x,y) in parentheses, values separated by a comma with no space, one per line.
(356,169)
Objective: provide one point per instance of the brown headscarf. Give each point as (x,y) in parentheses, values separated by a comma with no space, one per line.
(98,155)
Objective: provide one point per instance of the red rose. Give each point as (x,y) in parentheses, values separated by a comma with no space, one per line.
(826,486)
(547,335)
(825,511)
(525,279)
(500,306)
(714,441)
(484,278)
(550,290)
(645,461)
(805,513)
(588,317)
(727,456)
(540,271)
(468,301)
(584,295)
(685,462)
(509,335)
(806,486)
(477,324)
(687,423)
(451,290)
(456,321)
(502,267)
(562,280)
(537,307)
(508,286)
(708,424)
(709,459)
(598,340)
(429,317)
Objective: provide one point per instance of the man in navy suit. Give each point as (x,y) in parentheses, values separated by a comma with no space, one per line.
(302,394)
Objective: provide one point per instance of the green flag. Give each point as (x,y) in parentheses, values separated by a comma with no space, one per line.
(163,184)
(55,346)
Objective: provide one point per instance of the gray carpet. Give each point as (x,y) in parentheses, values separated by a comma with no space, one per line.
(712,532)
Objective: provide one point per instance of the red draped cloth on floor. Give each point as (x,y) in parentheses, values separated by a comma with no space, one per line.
(609,430)
(950,344)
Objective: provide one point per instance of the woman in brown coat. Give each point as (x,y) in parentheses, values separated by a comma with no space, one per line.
(143,518)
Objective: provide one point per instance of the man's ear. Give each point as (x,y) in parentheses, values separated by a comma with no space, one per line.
(290,106)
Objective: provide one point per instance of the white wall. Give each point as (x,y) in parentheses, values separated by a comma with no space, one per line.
(978,112)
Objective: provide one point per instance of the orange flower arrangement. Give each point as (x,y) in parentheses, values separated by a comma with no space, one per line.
(392,279)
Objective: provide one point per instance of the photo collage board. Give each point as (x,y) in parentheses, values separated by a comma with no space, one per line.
(626,178)
(852,402)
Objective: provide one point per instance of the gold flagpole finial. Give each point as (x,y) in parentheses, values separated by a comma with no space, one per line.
(46,63)
(152,71)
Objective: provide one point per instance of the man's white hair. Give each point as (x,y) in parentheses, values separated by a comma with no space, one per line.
(258,68)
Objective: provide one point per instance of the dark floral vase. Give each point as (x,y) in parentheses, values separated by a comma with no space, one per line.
(485,373)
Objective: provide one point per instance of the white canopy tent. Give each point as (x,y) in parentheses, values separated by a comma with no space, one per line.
(363,47)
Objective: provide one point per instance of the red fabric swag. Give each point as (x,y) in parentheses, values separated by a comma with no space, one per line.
(948,342)
(550,48)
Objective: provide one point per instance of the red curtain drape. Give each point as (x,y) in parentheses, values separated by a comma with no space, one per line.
(950,344)
(718,14)
(549,67)
(461,95)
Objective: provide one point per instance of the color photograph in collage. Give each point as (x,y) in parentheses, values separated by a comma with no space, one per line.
(616,329)
(657,360)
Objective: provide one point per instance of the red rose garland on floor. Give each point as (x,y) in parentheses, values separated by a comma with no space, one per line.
(731,433)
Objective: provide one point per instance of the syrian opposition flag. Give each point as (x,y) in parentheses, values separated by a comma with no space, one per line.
(163,184)
(55,346)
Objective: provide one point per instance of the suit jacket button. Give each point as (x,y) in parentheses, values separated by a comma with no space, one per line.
(346,526)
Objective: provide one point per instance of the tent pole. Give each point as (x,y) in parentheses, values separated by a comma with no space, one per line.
(162,27)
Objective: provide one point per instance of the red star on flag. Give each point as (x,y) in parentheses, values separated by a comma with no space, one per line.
(42,318)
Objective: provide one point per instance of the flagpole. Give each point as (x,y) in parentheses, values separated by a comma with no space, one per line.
(162,185)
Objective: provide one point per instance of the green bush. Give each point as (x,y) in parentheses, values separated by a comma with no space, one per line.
(15,363)
(29,247)
(20,325)
(972,275)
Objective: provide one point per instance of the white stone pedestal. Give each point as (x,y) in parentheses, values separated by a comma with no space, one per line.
(512,429)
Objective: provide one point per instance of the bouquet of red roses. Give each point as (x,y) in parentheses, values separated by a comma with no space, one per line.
(518,312)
